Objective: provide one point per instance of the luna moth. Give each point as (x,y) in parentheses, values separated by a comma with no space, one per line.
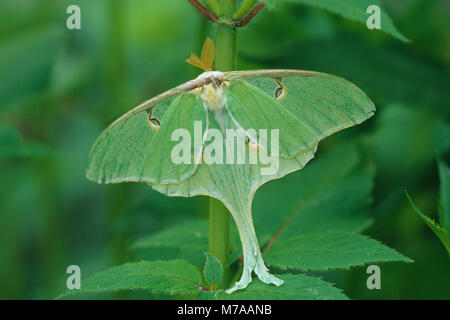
(303,106)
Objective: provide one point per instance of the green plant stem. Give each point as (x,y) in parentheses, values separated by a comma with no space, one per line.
(219,216)
(213,5)
(244,9)
(219,234)
(226,42)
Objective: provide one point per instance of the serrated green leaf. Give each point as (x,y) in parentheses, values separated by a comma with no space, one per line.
(317,199)
(440,232)
(188,235)
(444,178)
(329,250)
(356,10)
(326,210)
(187,241)
(295,287)
(159,277)
(213,270)
(315,225)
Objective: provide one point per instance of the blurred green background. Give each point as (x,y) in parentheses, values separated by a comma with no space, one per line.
(60,88)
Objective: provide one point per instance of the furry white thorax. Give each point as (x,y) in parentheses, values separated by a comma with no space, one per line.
(211,93)
(213,97)
(211,74)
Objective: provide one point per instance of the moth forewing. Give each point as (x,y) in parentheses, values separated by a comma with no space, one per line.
(323,104)
(158,165)
(257,109)
(115,155)
(127,151)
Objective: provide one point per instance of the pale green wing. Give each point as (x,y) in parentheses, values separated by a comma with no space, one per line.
(137,146)
(251,103)
(235,185)
(305,106)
